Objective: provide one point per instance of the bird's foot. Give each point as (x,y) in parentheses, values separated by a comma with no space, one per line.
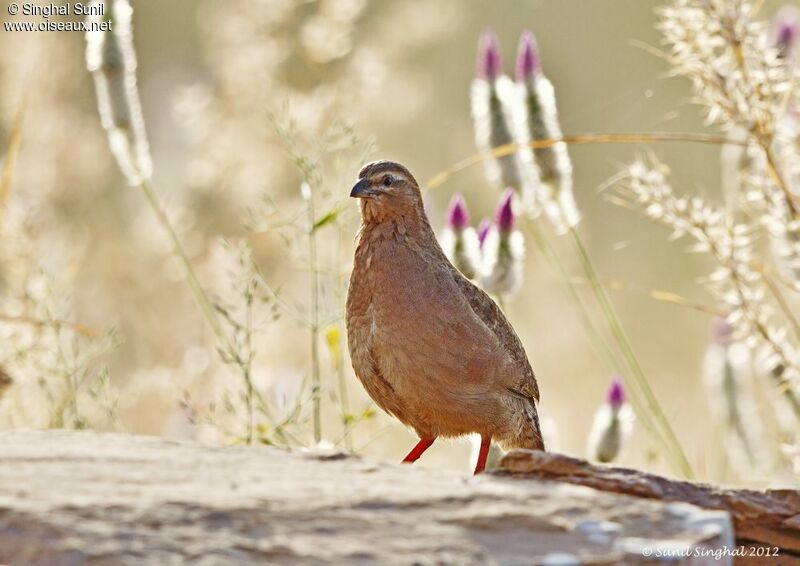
(486,442)
(416,452)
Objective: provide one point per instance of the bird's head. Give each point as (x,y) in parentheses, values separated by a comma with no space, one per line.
(386,189)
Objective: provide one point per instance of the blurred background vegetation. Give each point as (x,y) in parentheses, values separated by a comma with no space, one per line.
(236,94)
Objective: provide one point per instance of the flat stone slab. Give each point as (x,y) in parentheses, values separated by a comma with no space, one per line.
(766,523)
(73,498)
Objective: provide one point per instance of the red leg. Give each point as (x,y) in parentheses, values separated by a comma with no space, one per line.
(486,441)
(416,452)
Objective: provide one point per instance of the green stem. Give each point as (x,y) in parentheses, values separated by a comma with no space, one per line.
(200,296)
(609,356)
(314,323)
(344,398)
(599,343)
(355,421)
(202,299)
(247,368)
(668,438)
(345,402)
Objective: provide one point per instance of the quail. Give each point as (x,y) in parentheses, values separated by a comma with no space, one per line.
(430,347)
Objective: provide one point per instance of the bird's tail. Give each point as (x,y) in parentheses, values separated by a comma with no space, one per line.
(530,433)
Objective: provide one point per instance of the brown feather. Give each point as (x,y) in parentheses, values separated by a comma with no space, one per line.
(430,347)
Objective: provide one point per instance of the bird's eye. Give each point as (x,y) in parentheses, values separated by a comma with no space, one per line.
(388,180)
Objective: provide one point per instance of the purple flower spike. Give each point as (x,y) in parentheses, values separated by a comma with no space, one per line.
(786,29)
(528,62)
(616,393)
(457,215)
(722,331)
(505,212)
(490,64)
(483,231)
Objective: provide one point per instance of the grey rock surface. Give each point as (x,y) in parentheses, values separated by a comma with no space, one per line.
(74,498)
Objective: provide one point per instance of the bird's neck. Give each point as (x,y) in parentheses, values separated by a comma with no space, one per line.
(377,224)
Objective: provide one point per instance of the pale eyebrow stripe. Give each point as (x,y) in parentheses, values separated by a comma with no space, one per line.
(399,176)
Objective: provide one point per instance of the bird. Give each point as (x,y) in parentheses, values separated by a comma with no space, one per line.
(430,347)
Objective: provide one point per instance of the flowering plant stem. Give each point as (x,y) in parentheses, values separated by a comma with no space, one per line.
(344,400)
(314,315)
(609,356)
(667,435)
(550,255)
(345,406)
(203,302)
(199,293)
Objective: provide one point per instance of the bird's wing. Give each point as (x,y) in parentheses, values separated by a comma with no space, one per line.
(491,315)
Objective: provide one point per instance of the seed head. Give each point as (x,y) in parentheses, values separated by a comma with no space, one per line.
(457,214)
(490,63)
(612,425)
(721,332)
(786,29)
(536,118)
(503,251)
(493,97)
(483,230)
(528,62)
(505,212)
(616,393)
(459,240)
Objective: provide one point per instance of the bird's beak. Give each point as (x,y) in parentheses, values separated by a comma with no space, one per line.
(361,189)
